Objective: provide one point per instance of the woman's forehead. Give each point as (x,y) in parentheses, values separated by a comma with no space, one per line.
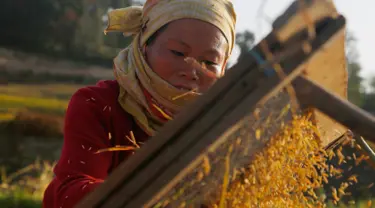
(193,32)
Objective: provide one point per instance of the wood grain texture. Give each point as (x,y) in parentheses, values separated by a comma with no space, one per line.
(328,68)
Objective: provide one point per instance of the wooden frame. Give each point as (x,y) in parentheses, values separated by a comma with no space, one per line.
(202,130)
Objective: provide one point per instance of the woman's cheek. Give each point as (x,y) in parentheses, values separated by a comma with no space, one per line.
(209,77)
(165,65)
(206,82)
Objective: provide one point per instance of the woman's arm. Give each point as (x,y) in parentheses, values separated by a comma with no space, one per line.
(79,169)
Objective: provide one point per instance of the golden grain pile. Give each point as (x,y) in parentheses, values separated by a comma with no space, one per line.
(287,172)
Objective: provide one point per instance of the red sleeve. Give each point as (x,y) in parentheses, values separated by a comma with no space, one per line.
(79,169)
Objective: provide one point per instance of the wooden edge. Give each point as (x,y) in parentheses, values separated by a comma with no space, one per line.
(306,12)
(289,13)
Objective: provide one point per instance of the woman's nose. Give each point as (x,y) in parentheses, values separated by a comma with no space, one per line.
(190,74)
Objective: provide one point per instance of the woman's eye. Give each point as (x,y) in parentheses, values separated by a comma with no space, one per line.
(209,63)
(177,53)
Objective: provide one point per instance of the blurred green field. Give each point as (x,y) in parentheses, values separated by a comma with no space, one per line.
(25,187)
(51,99)
(31,110)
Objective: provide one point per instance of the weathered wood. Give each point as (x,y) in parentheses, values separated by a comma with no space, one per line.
(312,94)
(300,14)
(328,68)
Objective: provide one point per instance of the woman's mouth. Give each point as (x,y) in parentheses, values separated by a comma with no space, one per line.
(186,88)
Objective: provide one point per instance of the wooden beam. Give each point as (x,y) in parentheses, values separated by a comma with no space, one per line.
(311,94)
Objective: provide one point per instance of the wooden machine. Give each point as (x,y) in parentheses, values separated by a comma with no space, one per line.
(300,65)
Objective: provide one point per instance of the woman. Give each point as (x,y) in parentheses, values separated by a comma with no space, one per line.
(179,49)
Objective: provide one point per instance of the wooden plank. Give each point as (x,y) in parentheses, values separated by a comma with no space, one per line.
(359,121)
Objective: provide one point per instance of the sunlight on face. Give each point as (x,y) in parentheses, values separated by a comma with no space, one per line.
(189,54)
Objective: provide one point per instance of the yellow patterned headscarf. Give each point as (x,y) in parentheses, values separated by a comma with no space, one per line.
(147,97)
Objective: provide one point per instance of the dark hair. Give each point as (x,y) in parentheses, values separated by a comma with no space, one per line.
(153,37)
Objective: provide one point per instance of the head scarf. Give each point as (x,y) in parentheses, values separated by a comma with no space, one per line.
(146,96)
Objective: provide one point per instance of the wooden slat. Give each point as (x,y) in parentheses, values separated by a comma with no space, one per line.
(357,120)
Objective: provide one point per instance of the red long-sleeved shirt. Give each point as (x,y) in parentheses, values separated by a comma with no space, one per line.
(94,120)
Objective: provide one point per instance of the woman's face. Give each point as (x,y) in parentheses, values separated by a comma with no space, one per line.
(179,51)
